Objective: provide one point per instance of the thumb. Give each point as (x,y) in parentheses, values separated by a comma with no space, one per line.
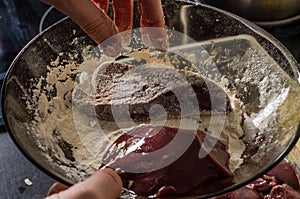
(103,184)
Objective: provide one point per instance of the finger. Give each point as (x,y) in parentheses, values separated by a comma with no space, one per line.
(109,183)
(91,19)
(104,184)
(123,16)
(152,15)
(102,4)
(56,188)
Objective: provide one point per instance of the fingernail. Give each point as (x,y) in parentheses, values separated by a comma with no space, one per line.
(112,46)
(155,37)
(126,37)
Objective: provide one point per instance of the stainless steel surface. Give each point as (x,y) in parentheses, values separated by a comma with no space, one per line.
(260,10)
(199,22)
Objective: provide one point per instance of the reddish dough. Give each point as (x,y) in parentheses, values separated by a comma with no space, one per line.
(284,192)
(103,4)
(281,182)
(139,154)
(285,173)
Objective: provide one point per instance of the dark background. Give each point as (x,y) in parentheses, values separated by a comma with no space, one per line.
(19,23)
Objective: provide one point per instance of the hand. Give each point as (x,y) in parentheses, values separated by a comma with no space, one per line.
(104,184)
(99,26)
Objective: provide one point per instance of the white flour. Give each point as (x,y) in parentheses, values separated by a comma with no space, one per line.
(75,142)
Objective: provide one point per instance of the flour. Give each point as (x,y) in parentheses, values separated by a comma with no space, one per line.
(52,107)
(74,143)
(211,124)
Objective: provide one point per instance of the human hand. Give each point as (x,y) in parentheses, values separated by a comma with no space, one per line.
(104,184)
(99,26)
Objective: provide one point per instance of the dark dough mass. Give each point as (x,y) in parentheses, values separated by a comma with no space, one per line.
(124,92)
(164,161)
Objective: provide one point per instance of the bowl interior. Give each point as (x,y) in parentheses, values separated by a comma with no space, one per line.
(37,93)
